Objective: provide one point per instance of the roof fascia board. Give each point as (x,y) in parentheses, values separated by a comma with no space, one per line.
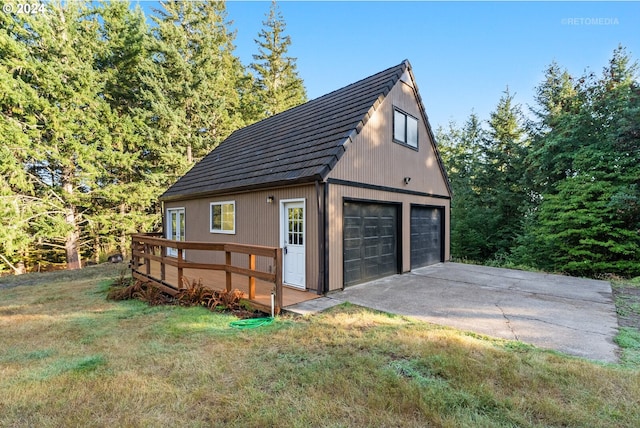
(241,189)
(428,126)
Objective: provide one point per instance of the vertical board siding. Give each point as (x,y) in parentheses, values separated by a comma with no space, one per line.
(374,158)
(257,223)
(337,194)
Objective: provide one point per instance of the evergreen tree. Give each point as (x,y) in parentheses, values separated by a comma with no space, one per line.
(277,82)
(19,106)
(588,222)
(549,158)
(62,151)
(504,192)
(461,151)
(131,181)
(193,85)
(486,172)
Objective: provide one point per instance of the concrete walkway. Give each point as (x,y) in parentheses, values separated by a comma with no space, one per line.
(572,315)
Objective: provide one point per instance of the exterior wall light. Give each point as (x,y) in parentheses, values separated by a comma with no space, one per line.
(270,199)
(407,180)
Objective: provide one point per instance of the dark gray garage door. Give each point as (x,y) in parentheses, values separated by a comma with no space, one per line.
(426,236)
(370,241)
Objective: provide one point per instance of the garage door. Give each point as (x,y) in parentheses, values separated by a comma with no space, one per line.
(370,241)
(426,236)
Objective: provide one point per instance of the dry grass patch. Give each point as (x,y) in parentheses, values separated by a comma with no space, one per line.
(69,357)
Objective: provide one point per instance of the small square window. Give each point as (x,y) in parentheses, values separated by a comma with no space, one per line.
(405,129)
(223,217)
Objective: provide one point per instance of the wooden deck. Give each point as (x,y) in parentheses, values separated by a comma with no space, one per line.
(216,280)
(151,262)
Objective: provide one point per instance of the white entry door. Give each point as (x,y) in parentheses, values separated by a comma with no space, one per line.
(175,228)
(294,240)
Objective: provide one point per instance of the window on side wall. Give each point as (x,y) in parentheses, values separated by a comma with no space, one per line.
(405,128)
(223,217)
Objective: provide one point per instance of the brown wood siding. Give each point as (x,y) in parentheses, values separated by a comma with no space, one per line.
(374,158)
(336,196)
(257,223)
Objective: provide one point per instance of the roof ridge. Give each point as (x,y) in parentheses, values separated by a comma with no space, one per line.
(327,95)
(403,63)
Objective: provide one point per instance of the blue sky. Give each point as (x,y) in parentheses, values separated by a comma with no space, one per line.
(464,54)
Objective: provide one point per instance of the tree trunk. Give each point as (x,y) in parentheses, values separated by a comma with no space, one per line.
(124,248)
(18,268)
(72,241)
(96,248)
(189,154)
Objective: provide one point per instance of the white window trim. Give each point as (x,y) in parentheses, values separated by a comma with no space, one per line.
(227,232)
(407,115)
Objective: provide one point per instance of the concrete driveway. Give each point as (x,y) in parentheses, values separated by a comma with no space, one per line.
(572,315)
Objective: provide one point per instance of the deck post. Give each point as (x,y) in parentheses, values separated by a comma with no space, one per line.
(227,261)
(163,272)
(134,257)
(179,268)
(147,260)
(252,280)
(278,260)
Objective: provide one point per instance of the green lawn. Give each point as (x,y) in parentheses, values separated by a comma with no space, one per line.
(69,357)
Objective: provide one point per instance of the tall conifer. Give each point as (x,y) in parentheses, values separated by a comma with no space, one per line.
(63,150)
(278,84)
(193,88)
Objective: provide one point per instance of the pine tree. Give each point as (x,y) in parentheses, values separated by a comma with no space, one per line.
(504,191)
(549,158)
(461,151)
(63,150)
(277,81)
(125,199)
(588,222)
(193,82)
(19,107)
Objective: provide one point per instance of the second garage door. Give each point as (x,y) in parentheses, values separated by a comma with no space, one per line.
(426,236)
(370,241)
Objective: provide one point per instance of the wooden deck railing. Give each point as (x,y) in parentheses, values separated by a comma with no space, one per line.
(149,247)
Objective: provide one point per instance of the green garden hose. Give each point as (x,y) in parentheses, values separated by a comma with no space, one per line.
(251,323)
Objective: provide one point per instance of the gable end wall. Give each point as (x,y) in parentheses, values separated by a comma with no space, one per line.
(374,158)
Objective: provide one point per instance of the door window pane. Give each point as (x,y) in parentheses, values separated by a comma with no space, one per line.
(173,233)
(175,228)
(295,224)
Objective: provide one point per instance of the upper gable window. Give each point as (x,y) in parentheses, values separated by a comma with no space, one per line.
(405,128)
(223,217)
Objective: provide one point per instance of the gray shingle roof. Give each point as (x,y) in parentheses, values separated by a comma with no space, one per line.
(299,145)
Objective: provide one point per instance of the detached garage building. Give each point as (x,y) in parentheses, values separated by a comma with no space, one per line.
(350,185)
